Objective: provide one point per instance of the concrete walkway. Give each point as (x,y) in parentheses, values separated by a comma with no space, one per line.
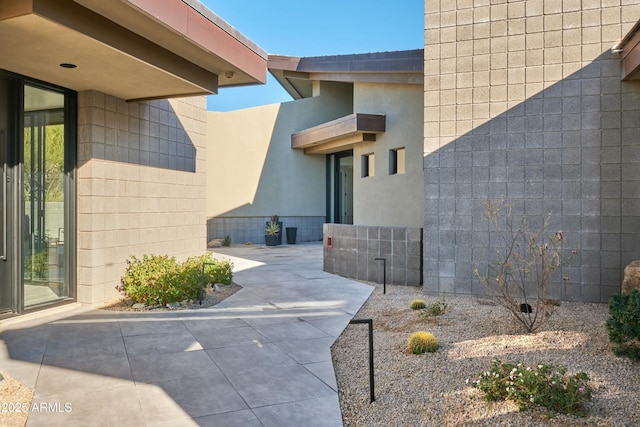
(260,358)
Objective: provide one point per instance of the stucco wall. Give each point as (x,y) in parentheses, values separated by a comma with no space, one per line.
(385,199)
(141,185)
(523,100)
(252,170)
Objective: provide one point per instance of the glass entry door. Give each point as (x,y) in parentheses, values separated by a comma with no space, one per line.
(37,125)
(44,196)
(7,288)
(340,187)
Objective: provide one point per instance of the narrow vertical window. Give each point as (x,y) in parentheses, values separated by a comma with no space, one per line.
(396,161)
(368,165)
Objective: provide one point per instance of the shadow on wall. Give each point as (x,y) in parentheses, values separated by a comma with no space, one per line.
(257,174)
(149,133)
(570,151)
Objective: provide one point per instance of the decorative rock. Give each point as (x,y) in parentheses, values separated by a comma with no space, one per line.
(138,306)
(173,305)
(631,277)
(184,303)
(216,288)
(130,302)
(215,243)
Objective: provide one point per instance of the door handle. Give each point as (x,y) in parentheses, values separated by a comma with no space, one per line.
(5,158)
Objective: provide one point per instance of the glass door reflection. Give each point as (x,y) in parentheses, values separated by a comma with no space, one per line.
(44,198)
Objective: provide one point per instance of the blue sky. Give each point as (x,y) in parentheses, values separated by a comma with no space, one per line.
(304,28)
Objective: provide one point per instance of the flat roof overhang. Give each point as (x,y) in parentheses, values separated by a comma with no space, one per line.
(296,74)
(340,134)
(131,49)
(629,47)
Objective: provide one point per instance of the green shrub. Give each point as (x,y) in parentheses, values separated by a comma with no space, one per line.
(437,308)
(227,241)
(156,279)
(624,324)
(418,304)
(149,280)
(543,385)
(422,342)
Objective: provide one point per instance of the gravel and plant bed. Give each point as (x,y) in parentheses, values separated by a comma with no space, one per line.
(437,388)
(211,298)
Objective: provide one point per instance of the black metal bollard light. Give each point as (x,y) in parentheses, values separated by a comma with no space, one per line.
(371,373)
(384,274)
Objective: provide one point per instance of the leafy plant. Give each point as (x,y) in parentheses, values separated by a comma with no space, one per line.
(156,279)
(526,261)
(422,342)
(543,385)
(272,228)
(226,241)
(418,304)
(437,308)
(37,264)
(624,324)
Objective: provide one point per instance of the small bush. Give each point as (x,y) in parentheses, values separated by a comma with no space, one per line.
(227,241)
(160,280)
(437,308)
(418,304)
(422,342)
(543,385)
(624,324)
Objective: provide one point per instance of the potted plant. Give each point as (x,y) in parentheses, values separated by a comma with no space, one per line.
(276,219)
(271,233)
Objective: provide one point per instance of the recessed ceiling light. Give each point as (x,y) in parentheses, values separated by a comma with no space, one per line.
(68,65)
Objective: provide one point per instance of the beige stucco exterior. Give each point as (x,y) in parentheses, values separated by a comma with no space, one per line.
(253,172)
(385,199)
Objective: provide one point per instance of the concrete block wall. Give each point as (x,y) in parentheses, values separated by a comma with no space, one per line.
(355,247)
(251,229)
(523,100)
(141,186)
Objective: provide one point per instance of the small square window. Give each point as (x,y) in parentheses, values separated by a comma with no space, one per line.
(396,161)
(368,165)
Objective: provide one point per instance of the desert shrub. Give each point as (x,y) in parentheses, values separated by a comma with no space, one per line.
(543,385)
(418,304)
(156,279)
(624,324)
(437,308)
(226,241)
(149,280)
(422,342)
(215,270)
(526,261)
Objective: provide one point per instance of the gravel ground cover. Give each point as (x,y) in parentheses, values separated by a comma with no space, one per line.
(15,401)
(431,389)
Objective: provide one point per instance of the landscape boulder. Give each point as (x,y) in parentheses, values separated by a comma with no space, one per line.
(215,243)
(631,277)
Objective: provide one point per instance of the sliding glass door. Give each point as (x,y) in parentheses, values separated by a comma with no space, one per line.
(44,196)
(7,288)
(37,125)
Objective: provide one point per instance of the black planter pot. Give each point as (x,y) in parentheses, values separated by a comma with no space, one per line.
(279,234)
(291,235)
(271,240)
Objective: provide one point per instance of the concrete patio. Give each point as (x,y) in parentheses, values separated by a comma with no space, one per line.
(260,358)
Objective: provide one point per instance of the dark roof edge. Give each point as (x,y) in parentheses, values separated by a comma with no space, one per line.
(385,62)
(225,26)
